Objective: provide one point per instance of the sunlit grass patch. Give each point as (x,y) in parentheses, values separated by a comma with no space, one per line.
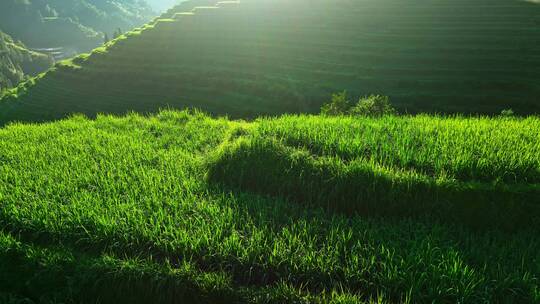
(99,209)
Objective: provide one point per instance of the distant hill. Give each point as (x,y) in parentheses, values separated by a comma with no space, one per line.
(16,61)
(274,56)
(75,25)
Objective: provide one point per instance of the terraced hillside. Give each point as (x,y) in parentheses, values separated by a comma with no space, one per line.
(17,61)
(76,25)
(273,56)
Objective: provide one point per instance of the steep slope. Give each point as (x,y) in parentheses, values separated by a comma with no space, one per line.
(273,56)
(105,15)
(16,61)
(76,25)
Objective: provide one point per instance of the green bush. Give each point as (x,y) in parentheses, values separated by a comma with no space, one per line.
(507,113)
(373,106)
(338,105)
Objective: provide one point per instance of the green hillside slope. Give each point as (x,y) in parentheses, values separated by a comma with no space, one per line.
(266,57)
(182,208)
(75,25)
(16,62)
(105,15)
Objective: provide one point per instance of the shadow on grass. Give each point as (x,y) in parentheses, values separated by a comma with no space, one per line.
(50,267)
(56,272)
(266,166)
(433,262)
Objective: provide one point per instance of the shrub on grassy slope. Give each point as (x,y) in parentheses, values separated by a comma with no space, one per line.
(507,113)
(372,106)
(338,105)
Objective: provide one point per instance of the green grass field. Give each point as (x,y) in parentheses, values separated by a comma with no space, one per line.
(261,200)
(183,208)
(274,56)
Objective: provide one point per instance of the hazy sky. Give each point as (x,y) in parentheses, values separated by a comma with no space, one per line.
(162,5)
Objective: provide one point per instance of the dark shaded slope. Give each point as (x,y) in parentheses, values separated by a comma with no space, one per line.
(270,57)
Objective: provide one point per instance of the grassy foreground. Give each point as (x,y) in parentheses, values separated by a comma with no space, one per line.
(183,208)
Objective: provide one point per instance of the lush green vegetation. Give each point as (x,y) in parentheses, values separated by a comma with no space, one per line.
(182,207)
(453,169)
(264,57)
(372,106)
(60,29)
(355,205)
(74,25)
(16,62)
